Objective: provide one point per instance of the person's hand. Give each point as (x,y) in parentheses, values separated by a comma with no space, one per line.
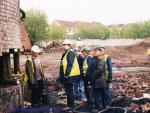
(66,77)
(89,86)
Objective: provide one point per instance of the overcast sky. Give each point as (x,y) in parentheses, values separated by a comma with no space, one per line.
(104,11)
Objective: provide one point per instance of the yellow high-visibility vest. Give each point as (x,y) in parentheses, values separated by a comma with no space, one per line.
(85,66)
(26,77)
(148,51)
(75,71)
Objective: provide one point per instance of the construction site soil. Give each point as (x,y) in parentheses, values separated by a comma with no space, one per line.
(130,88)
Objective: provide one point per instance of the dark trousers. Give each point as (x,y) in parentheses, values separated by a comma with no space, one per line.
(36,93)
(70,94)
(99,97)
(79,89)
(107,94)
(88,92)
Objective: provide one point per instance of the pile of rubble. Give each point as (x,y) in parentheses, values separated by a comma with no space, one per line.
(52,85)
(55,46)
(132,91)
(133,84)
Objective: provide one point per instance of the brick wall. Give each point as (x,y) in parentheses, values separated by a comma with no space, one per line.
(2,34)
(10,23)
(24,35)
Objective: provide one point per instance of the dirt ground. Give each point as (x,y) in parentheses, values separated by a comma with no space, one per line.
(131,74)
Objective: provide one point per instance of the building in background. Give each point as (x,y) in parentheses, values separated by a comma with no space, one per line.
(68,25)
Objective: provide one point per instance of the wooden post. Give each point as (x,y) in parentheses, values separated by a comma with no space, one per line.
(4,65)
(8,65)
(1,66)
(16,61)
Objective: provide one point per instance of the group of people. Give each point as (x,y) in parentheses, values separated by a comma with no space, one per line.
(86,75)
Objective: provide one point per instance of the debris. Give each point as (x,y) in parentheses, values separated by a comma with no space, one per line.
(145,108)
(117,99)
(114,110)
(146,95)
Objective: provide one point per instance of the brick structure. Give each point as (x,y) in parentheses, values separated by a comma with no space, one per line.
(24,36)
(10,35)
(10,42)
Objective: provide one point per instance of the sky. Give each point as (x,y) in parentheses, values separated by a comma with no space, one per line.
(105,11)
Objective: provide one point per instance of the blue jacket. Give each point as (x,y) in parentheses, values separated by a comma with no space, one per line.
(89,70)
(109,67)
(70,60)
(80,61)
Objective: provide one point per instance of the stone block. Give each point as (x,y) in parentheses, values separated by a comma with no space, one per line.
(10,98)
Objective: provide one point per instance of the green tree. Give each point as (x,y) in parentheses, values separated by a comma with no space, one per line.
(115,30)
(37,25)
(132,30)
(136,30)
(91,31)
(57,32)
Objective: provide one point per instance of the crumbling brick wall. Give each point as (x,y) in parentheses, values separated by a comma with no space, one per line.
(25,39)
(10,22)
(2,34)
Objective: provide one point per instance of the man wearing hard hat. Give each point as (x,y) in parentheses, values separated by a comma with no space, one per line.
(87,64)
(35,76)
(69,72)
(108,74)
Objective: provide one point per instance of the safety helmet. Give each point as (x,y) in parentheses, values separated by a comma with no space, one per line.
(76,49)
(86,49)
(67,41)
(101,46)
(35,49)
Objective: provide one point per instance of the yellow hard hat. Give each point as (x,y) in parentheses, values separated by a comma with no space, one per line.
(148,51)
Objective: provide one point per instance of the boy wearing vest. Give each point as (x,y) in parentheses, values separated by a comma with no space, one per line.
(108,75)
(69,72)
(35,76)
(98,79)
(87,64)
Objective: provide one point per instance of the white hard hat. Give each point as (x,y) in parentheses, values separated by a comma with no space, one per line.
(76,49)
(67,41)
(35,49)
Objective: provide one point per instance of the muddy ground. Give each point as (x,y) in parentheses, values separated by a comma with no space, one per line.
(131,79)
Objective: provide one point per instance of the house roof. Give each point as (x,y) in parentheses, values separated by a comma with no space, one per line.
(71,24)
(67,24)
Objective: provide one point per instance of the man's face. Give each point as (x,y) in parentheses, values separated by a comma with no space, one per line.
(35,54)
(78,53)
(66,47)
(85,54)
(98,53)
(92,52)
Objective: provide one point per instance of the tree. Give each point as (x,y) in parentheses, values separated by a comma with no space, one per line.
(37,25)
(136,30)
(91,30)
(56,32)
